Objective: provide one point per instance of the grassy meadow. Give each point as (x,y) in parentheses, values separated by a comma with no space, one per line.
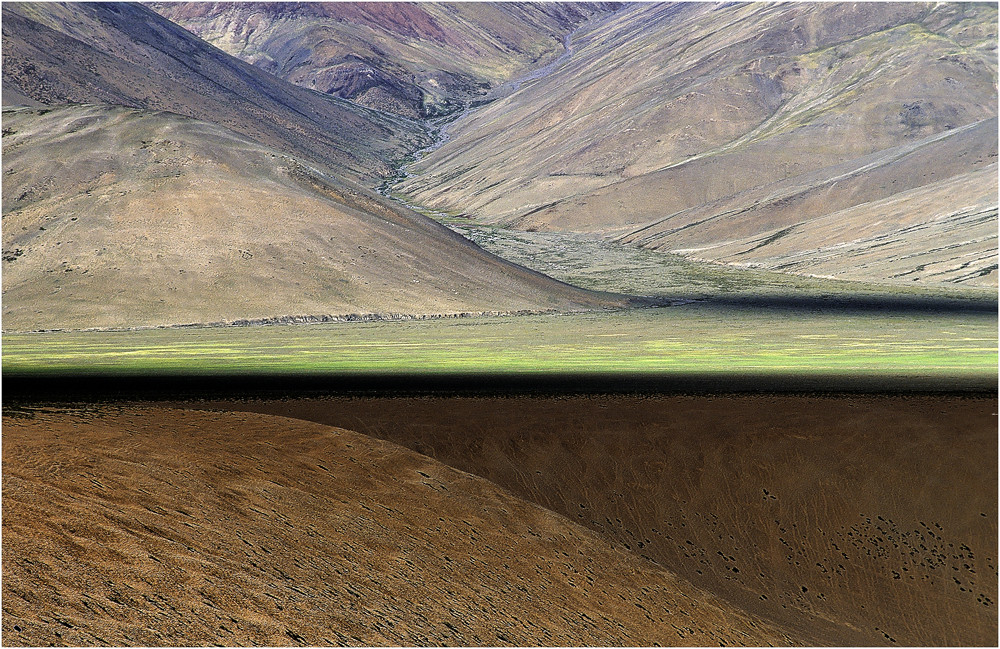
(697,337)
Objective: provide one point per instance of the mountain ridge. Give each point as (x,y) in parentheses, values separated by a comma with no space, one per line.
(126,54)
(417,60)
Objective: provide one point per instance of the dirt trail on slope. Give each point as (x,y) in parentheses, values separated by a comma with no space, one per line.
(859,520)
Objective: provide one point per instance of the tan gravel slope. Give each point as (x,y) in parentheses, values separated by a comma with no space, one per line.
(116,217)
(666,112)
(925,211)
(135,526)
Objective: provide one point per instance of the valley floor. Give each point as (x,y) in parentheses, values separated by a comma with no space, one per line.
(597,263)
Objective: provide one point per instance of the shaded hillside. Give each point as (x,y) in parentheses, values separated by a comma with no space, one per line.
(116,217)
(138,526)
(126,54)
(725,124)
(856,520)
(412,59)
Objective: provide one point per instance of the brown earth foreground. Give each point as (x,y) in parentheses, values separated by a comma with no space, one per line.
(152,526)
(847,520)
(798,520)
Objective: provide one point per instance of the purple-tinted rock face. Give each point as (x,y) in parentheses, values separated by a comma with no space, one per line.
(415,60)
(367,85)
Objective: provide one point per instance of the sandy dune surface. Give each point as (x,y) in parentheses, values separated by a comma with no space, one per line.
(856,520)
(151,526)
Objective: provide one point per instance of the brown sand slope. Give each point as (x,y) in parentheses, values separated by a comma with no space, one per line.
(665,109)
(126,54)
(409,58)
(857,520)
(116,217)
(135,526)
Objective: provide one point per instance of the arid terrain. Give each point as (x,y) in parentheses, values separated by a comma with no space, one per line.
(139,526)
(826,140)
(853,520)
(117,217)
(494,324)
(605,520)
(742,133)
(416,60)
(126,55)
(122,213)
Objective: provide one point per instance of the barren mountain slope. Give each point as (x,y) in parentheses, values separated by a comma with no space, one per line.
(153,527)
(924,211)
(412,59)
(116,217)
(128,55)
(855,520)
(664,110)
